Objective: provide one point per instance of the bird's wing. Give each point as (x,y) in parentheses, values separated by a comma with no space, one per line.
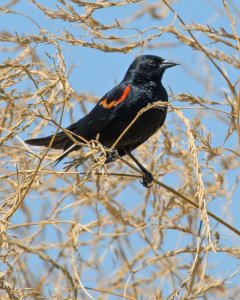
(104,111)
(114,98)
(90,125)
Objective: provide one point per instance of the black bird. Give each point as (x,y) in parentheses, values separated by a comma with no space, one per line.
(113,113)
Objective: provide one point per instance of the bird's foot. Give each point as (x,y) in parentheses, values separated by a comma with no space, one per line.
(147,180)
(112,156)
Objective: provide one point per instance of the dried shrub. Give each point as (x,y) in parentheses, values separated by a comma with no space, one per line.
(90,231)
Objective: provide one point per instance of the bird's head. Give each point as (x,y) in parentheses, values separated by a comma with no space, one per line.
(147,68)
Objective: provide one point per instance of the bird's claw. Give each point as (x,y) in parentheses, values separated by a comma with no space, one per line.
(147,180)
(112,156)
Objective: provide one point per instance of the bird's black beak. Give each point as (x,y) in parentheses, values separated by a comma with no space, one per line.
(167,64)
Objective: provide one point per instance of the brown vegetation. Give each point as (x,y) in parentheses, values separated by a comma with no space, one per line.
(97,234)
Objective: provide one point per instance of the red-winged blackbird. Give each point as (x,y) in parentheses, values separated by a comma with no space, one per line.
(116,109)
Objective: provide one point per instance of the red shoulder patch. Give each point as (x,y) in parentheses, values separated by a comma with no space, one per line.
(104,103)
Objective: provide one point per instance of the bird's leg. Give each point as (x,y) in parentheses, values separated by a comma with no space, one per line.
(111,156)
(147,178)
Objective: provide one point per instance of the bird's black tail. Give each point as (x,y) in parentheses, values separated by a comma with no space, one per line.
(60,141)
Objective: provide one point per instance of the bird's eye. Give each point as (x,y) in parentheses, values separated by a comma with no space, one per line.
(153,64)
